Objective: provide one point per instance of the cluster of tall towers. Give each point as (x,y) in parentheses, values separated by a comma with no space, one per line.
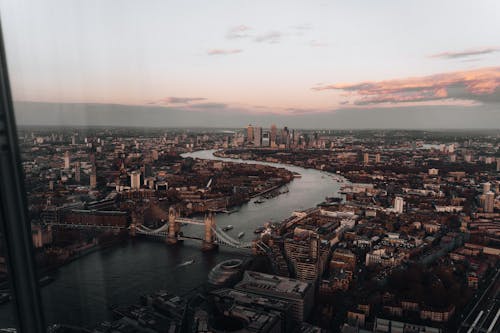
(76,168)
(273,137)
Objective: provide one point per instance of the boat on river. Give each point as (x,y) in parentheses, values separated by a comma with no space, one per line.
(259,230)
(186,263)
(241,234)
(227,227)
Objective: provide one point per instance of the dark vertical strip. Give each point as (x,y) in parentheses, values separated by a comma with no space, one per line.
(16,227)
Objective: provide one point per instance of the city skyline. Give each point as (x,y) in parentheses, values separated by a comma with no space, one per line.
(334,64)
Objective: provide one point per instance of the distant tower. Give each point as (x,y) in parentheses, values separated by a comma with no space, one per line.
(93,177)
(257,136)
(377,158)
(135,180)
(93,180)
(67,160)
(77,171)
(250,133)
(274,135)
(486,187)
(265,139)
(366,158)
(398,205)
(489,202)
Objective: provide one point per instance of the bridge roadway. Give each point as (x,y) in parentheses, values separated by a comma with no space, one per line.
(219,236)
(87,226)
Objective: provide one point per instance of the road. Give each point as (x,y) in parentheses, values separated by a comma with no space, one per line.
(485,314)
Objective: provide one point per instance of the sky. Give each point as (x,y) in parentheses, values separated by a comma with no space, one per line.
(352,63)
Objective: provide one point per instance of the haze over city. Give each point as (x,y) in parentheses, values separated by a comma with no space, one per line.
(314,64)
(250,166)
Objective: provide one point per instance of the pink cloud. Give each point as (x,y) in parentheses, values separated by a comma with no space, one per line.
(479,85)
(465,53)
(223,51)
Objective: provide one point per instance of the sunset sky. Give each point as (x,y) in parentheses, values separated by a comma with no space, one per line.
(280,58)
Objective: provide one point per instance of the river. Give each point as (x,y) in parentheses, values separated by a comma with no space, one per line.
(84,289)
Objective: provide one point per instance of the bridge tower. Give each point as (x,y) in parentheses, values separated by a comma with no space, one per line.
(208,242)
(172,226)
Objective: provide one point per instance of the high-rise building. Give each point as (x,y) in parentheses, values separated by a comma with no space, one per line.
(305,255)
(93,178)
(77,172)
(257,136)
(366,158)
(135,180)
(486,187)
(67,160)
(250,133)
(489,202)
(285,136)
(265,139)
(377,158)
(399,205)
(274,135)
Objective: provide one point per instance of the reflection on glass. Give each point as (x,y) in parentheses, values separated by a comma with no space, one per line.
(274,167)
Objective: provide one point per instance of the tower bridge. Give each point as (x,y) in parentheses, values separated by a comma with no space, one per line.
(170,232)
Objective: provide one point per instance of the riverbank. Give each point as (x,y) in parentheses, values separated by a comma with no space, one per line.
(84,288)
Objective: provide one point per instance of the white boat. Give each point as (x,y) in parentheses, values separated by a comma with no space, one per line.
(241,234)
(186,263)
(227,228)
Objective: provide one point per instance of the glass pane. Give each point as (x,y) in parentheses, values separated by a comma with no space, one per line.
(7,310)
(260,166)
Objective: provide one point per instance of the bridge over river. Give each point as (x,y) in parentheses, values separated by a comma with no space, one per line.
(83,289)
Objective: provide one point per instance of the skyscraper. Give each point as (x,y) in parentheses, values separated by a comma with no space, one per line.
(67,160)
(257,136)
(93,178)
(285,136)
(398,205)
(489,202)
(265,139)
(274,135)
(135,180)
(366,158)
(249,133)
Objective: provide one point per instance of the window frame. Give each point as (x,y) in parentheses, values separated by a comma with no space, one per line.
(14,222)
